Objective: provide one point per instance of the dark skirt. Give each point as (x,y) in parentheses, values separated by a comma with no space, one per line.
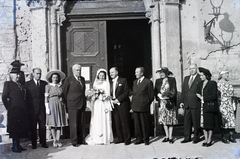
(18,122)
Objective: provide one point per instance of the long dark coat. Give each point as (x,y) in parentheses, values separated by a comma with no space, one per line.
(14,99)
(210,94)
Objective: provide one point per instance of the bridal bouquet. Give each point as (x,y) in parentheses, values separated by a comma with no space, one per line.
(94,94)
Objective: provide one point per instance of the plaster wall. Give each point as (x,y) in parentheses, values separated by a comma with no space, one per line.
(196,50)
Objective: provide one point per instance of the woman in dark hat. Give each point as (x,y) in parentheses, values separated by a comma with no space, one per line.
(14,99)
(207,93)
(166,94)
(55,110)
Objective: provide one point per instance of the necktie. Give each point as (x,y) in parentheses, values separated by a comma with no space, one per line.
(79,80)
(38,85)
(138,82)
(190,81)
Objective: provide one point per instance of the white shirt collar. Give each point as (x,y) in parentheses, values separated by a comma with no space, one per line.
(36,81)
(76,77)
(115,79)
(193,76)
(140,79)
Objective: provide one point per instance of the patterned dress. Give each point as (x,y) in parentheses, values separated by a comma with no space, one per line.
(226,106)
(166,117)
(57,116)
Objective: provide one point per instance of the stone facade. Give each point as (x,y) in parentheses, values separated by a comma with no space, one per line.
(30,32)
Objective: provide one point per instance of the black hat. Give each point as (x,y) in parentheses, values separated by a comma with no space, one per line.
(164,70)
(205,71)
(16,63)
(15,70)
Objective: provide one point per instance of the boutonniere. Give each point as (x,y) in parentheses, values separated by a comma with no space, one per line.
(119,84)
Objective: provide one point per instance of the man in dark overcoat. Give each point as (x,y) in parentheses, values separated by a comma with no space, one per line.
(35,97)
(142,97)
(120,98)
(191,104)
(74,93)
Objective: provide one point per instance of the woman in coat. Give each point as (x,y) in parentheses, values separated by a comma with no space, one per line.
(166,94)
(207,93)
(14,99)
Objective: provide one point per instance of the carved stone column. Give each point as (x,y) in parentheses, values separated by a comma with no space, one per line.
(39,35)
(152,10)
(170,38)
(57,16)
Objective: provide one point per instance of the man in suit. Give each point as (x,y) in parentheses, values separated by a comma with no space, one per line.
(142,97)
(191,105)
(119,92)
(35,97)
(74,93)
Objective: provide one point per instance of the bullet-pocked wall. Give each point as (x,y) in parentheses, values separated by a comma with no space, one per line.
(212,41)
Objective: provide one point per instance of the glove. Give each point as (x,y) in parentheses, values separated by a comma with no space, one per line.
(47,108)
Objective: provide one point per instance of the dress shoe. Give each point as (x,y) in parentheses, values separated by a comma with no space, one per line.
(185,141)
(34,147)
(138,142)
(195,141)
(21,148)
(16,150)
(127,143)
(171,141)
(225,141)
(44,145)
(231,139)
(146,142)
(204,144)
(74,145)
(210,144)
(165,140)
(118,142)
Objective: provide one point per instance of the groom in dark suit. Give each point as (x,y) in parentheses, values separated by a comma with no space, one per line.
(35,97)
(142,97)
(191,105)
(74,93)
(120,92)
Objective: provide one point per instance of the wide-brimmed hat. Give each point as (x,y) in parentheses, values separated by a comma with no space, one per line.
(205,71)
(61,74)
(164,70)
(15,70)
(16,63)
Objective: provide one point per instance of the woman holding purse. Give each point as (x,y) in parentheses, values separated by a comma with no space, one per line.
(166,94)
(207,93)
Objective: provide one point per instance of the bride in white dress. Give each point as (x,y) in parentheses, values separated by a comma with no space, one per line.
(101,121)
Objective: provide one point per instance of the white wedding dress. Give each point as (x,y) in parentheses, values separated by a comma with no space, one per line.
(101,121)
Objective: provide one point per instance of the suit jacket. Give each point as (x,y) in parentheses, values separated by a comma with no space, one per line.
(189,97)
(74,93)
(36,97)
(122,92)
(143,95)
(173,89)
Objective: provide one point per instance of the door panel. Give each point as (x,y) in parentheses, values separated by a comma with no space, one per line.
(86,44)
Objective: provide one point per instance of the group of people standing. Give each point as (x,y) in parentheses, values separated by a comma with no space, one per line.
(208,104)
(61,102)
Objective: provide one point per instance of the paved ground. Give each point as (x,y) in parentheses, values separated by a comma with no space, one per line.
(156,150)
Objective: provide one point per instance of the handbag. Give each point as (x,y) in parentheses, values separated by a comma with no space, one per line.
(169,105)
(211,107)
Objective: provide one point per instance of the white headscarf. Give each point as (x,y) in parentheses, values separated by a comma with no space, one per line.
(96,81)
